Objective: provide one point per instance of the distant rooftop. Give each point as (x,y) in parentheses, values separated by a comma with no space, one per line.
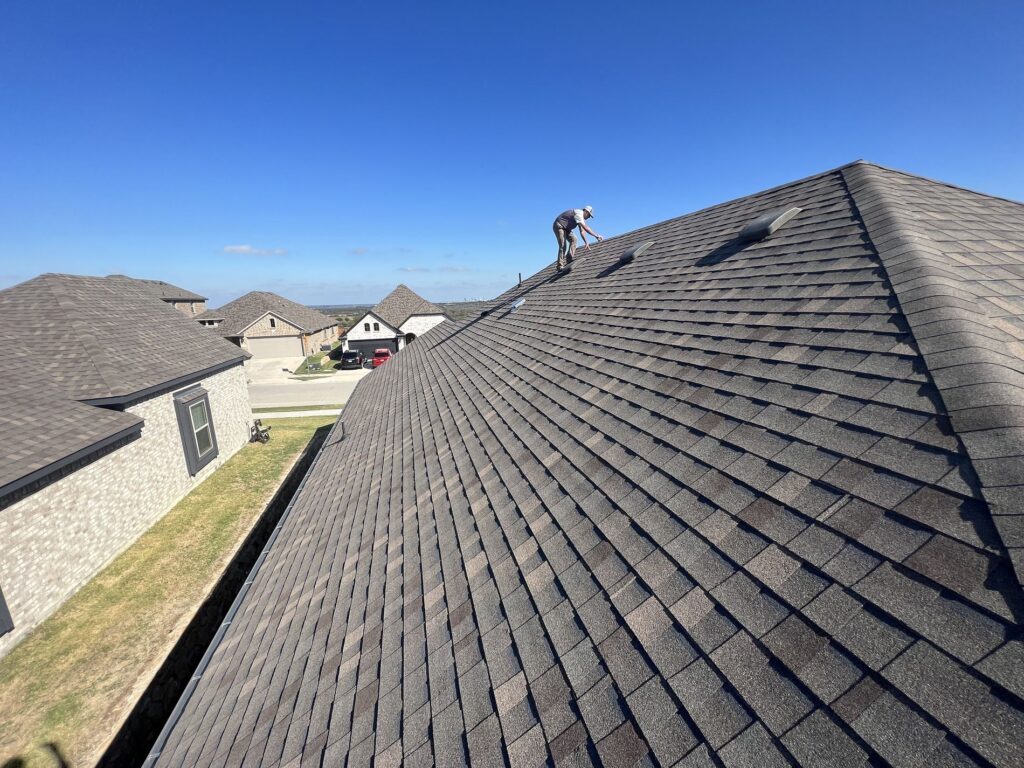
(401,304)
(239,314)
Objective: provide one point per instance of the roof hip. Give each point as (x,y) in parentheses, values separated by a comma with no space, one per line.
(971,359)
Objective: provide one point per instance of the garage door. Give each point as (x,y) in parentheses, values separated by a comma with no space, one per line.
(276,346)
(367,347)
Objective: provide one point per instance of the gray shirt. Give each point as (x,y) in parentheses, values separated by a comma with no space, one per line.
(570,219)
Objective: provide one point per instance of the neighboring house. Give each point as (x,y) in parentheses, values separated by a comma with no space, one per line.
(395,321)
(186,302)
(114,407)
(268,325)
(732,502)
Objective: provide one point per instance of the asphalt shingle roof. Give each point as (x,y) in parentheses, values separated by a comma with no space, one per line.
(164,290)
(66,340)
(246,310)
(712,507)
(401,304)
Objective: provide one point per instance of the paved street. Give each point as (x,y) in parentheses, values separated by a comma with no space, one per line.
(271,383)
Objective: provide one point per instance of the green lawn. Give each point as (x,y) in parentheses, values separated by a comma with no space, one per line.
(284,408)
(328,364)
(75,678)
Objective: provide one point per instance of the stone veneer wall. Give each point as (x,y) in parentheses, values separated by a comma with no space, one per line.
(54,541)
(262,327)
(311,342)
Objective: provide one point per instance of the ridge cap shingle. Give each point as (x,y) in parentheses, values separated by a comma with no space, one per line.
(912,266)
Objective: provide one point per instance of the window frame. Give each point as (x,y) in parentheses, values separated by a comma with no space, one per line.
(366,327)
(273,322)
(376,326)
(184,402)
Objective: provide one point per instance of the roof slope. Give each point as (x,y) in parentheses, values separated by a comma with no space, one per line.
(99,338)
(401,304)
(706,506)
(246,310)
(40,427)
(164,290)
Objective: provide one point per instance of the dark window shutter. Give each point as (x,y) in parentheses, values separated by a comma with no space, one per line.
(183,401)
(6,622)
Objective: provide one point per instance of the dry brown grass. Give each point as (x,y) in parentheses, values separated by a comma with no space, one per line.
(77,676)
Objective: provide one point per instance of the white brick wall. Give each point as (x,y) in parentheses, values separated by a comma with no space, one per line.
(54,541)
(420,324)
(359,334)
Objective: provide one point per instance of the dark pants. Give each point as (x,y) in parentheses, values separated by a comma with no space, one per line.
(566,245)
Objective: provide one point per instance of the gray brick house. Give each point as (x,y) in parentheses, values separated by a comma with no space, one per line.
(267,325)
(115,406)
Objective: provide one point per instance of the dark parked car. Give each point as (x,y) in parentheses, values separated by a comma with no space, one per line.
(381,356)
(351,359)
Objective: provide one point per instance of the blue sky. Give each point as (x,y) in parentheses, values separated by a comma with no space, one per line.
(328,151)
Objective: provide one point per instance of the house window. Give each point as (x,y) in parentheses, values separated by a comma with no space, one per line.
(273,323)
(366,326)
(376,326)
(6,622)
(195,423)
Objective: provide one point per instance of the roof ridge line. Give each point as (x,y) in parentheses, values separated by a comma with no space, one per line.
(930,180)
(948,322)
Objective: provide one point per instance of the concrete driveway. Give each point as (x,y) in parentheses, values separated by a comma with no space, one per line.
(271,383)
(271,369)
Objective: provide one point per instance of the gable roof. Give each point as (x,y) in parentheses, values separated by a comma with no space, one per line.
(239,314)
(69,342)
(711,505)
(401,304)
(162,289)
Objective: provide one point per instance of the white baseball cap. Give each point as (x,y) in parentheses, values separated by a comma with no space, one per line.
(589,209)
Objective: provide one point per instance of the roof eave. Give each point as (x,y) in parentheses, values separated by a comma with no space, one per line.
(142,394)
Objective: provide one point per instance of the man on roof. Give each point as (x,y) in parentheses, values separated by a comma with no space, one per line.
(566,222)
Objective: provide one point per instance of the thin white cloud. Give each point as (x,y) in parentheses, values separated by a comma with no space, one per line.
(414,269)
(362,250)
(249,250)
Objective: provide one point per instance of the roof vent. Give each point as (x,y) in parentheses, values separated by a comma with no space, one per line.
(635,251)
(767,224)
(517,304)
